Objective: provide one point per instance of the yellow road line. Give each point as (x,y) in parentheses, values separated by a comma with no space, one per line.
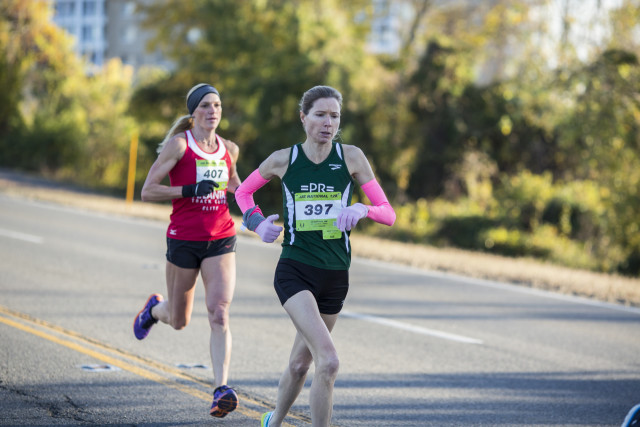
(107,359)
(102,346)
(142,372)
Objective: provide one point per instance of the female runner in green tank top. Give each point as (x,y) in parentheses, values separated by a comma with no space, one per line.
(312,275)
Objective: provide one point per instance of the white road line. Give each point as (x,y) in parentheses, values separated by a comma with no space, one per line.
(21,236)
(409,327)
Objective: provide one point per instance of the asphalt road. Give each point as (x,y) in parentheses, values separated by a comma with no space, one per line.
(416,348)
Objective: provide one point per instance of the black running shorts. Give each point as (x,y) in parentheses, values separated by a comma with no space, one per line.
(329,287)
(190,254)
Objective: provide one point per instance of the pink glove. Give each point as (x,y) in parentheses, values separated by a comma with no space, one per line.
(267,230)
(349,216)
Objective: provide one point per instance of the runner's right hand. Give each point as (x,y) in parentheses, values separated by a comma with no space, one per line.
(199,189)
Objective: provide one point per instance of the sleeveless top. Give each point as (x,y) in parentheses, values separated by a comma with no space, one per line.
(312,196)
(201,218)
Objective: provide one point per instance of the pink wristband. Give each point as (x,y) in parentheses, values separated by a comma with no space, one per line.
(244,193)
(381,211)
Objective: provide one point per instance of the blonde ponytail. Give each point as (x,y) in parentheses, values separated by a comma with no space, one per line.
(182,124)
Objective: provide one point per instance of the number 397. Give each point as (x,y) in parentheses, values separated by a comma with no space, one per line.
(317,209)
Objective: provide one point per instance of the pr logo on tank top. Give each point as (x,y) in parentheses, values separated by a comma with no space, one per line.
(335,166)
(316,187)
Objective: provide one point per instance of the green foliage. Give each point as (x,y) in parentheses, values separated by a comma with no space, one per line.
(16,57)
(529,215)
(524,198)
(41,111)
(106,150)
(412,223)
(61,121)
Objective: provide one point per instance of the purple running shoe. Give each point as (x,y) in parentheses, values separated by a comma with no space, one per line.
(225,400)
(144,320)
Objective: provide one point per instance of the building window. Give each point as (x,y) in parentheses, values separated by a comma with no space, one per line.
(89,8)
(65,8)
(87,33)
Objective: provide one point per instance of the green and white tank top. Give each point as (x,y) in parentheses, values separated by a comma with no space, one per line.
(312,196)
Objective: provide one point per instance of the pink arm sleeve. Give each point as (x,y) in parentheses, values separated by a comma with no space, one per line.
(381,211)
(244,193)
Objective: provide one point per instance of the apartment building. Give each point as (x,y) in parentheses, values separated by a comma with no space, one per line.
(125,37)
(105,29)
(86,21)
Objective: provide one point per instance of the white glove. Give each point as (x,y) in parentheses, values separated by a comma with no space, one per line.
(267,230)
(349,216)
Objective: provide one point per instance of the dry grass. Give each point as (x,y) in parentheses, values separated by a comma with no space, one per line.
(520,271)
(525,272)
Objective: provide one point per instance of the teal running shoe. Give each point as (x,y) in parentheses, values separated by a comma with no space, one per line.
(633,417)
(266,417)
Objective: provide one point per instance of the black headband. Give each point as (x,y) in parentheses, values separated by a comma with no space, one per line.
(196,96)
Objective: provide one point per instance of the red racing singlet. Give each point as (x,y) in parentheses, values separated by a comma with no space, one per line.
(201,218)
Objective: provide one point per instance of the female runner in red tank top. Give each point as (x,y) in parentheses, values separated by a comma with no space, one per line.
(201,235)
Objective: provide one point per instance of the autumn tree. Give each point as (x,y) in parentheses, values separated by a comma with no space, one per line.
(36,67)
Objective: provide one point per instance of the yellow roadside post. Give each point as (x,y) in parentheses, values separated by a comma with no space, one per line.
(133,153)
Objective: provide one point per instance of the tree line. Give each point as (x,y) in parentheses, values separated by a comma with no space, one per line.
(488,129)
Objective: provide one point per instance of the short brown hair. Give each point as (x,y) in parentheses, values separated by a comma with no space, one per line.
(315,93)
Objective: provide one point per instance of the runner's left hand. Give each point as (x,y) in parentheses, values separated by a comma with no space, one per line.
(349,216)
